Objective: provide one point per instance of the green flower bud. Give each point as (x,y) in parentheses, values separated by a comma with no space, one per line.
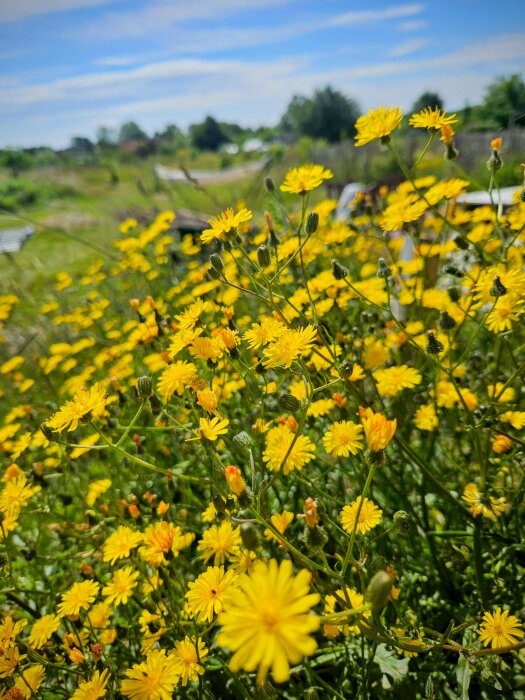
(461,242)
(383,270)
(216,262)
(345,369)
(434,347)
(214,273)
(250,537)
(243,439)
(144,387)
(497,289)
(315,537)
(269,184)
(402,521)
(312,222)
(495,162)
(453,294)
(378,591)
(446,322)
(451,152)
(338,271)
(263,256)
(48,433)
(289,402)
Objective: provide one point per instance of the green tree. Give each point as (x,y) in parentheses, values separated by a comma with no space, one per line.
(328,114)
(16,161)
(131,131)
(208,135)
(504,102)
(427,99)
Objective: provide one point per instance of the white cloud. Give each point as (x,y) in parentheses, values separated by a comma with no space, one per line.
(16,10)
(412,25)
(408,47)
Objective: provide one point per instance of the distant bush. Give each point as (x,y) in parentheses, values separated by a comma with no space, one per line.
(20,193)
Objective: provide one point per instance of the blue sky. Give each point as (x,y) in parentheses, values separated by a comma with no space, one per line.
(69,66)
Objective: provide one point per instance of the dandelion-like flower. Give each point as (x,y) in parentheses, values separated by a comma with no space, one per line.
(377,124)
(94,688)
(392,380)
(488,507)
(121,586)
(378,429)
(175,378)
(285,450)
(153,679)
(120,543)
(432,118)
(78,409)
(78,597)
(220,542)
(369,516)
(188,657)
(205,596)
(42,630)
(228,221)
(500,629)
(211,429)
(268,622)
(305,178)
(343,438)
(289,346)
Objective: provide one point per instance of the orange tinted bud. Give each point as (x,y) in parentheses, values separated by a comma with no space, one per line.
(235,480)
(310,512)
(151,302)
(97,650)
(447,132)
(292,424)
(496,144)
(134,511)
(14,694)
(378,429)
(383,191)
(134,303)
(339,399)
(86,569)
(162,508)
(228,312)
(149,498)
(76,656)
(501,444)
(12,471)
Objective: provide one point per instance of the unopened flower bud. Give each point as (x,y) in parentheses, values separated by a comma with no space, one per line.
(498,289)
(269,184)
(338,271)
(243,439)
(345,369)
(216,262)
(310,512)
(315,537)
(235,480)
(289,402)
(263,256)
(461,242)
(312,222)
(219,503)
(451,270)
(402,521)
(378,591)
(250,537)
(446,322)
(451,152)
(495,162)
(144,387)
(453,294)
(383,270)
(430,692)
(47,432)
(434,347)
(214,273)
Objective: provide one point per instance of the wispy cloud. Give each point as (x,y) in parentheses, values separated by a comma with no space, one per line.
(412,26)
(408,47)
(16,10)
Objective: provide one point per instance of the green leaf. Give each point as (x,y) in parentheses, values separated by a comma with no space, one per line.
(391,665)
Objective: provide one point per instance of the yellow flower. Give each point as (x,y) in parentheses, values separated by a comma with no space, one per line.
(305,178)
(96,489)
(78,597)
(499,392)
(286,450)
(42,630)
(369,516)
(268,623)
(120,543)
(207,400)
(188,656)
(431,118)
(220,542)
(343,438)
(347,599)
(153,679)
(378,430)
(176,378)
(391,381)
(488,507)
(447,133)
(280,521)
(121,586)
(515,418)
(30,683)
(15,495)
(426,418)
(289,346)
(94,688)
(499,629)
(227,222)
(211,429)
(162,541)
(205,596)
(235,480)
(377,124)
(79,409)
(406,641)
(408,209)
(501,443)
(265,332)
(506,310)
